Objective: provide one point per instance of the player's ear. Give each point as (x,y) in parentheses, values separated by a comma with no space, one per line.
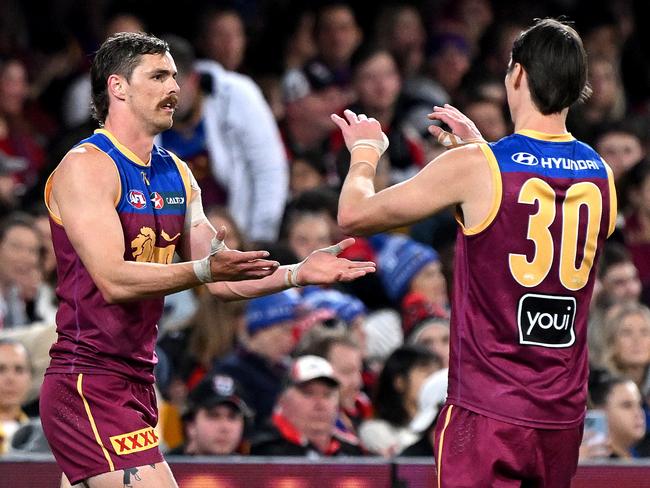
(116,86)
(518,74)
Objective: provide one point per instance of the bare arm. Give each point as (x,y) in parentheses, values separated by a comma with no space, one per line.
(460,176)
(84,189)
(321,267)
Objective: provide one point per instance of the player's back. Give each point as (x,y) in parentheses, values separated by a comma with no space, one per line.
(523,281)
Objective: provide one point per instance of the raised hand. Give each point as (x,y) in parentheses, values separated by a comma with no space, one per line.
(323,266)
(360,131)
(464,131)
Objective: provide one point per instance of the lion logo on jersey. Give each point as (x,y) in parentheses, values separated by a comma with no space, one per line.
(145,249)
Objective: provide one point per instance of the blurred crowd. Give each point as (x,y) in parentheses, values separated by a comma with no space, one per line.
(355,370)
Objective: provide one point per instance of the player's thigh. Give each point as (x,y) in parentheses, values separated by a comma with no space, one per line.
(149,476)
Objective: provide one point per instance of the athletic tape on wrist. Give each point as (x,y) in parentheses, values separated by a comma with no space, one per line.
(202,268)
(379,146)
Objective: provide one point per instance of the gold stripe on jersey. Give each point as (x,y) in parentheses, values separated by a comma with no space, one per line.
(497,188)
(543,136)
(92,422)
(123,149)
(442,440)
(48,185)
(613,202)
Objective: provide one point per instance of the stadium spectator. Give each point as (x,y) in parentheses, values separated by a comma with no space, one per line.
(621,401)
(308,171)
(215,419)
(260,363)
(346,357)
(221,37)
(487,114)
(619,284)
(303,423)
(15,380)
(636,231)
(307,231)
(237,163)
(20,272)
(432,333)
(627,335)
(395,401)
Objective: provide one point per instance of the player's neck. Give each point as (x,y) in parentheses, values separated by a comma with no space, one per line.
(132,136)
(548,124)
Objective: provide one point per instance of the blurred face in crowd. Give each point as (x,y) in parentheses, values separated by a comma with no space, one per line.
(215,431)
(15,379)
(632,341)
(19,253)
(274,342)
(338,35)
(641,197)
(621,283)
(624,415)
(377,83)
(412,384)
(219,218)
(449,66)
(304,176)
(347,363)
(225,40)
(621,150)
(435,337)
(604,83)
(14,87)
(311,407)
(430,282)
(408,32)
(488,118)
(308,233)
(124,23)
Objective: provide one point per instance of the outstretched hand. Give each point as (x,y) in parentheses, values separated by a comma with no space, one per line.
(231,265)
(464,131)
(323,266)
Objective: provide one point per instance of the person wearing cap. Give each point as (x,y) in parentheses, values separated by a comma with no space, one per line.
(339,347)
(303,423)
(260,363)
(215,419)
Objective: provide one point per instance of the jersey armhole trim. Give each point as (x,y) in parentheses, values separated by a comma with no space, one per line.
(183,170)
(496,197)
(48,186)
(613,202)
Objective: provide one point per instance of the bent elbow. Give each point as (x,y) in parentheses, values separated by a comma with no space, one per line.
(113,294)
(350,222)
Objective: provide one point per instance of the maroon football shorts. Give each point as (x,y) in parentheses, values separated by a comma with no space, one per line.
(475,451)
(99,423)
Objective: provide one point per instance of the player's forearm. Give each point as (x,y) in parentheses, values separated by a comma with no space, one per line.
(240,290)
(357,214)
(128,280)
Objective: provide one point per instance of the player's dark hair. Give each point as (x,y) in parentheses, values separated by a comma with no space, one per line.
(119,55)
(389,398)
(555,61)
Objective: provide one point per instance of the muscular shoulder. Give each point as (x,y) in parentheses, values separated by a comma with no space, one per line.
(89,168)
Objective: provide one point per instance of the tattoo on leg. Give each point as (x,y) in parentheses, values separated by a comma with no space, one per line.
(127,477)
(153,466)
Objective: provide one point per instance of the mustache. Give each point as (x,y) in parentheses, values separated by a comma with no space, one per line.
(171,100)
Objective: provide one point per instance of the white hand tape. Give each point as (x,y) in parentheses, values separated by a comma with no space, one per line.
(379,146)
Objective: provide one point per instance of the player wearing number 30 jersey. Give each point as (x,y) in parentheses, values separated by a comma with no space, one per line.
(534,210)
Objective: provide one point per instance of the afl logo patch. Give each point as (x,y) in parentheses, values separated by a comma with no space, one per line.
(137,199)
(157,200)
(525,158)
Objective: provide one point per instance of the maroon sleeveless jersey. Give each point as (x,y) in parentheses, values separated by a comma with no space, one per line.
(95,336)
(523,280)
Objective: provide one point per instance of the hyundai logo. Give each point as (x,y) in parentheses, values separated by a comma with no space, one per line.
(525,158)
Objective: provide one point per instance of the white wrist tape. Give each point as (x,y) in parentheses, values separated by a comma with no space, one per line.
(379,146)
(202,266)
(451,141)
(291,276)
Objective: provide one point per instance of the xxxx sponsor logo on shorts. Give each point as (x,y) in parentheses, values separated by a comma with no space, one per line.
(138,440)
